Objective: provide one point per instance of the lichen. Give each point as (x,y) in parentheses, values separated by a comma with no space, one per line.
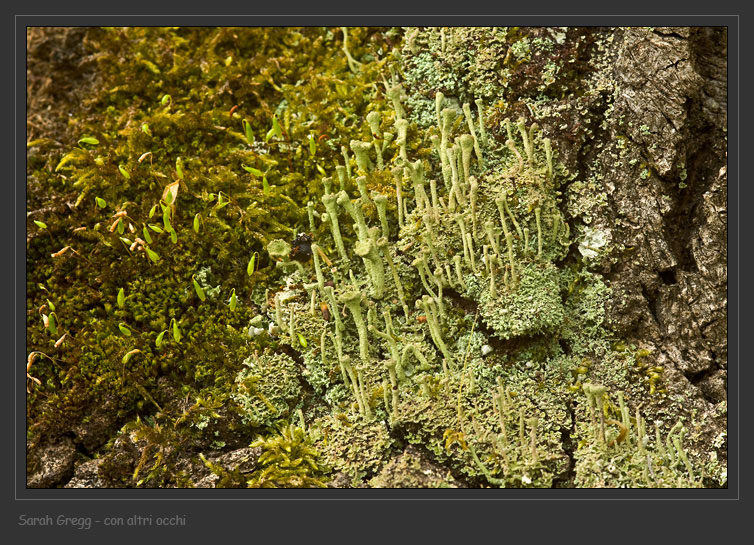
(267,389)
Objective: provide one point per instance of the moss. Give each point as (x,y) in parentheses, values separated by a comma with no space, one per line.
(585,329)
(288,460)
(157,107)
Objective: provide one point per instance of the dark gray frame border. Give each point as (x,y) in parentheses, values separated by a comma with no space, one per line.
(36,500)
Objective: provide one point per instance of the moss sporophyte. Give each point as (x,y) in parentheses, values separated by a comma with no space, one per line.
(381,269)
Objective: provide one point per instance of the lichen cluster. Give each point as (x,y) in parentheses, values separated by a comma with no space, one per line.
(451,247)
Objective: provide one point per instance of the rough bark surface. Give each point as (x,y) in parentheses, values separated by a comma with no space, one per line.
(673,81)
(671,294)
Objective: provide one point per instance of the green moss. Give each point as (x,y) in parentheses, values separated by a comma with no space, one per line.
(157,108)
(288,460)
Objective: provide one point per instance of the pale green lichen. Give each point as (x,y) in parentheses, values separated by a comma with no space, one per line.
(617,449)
(267,389)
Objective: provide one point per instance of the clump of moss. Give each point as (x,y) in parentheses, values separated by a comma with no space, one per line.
(585,329)
(465,238)
(288,460)
(214,155)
